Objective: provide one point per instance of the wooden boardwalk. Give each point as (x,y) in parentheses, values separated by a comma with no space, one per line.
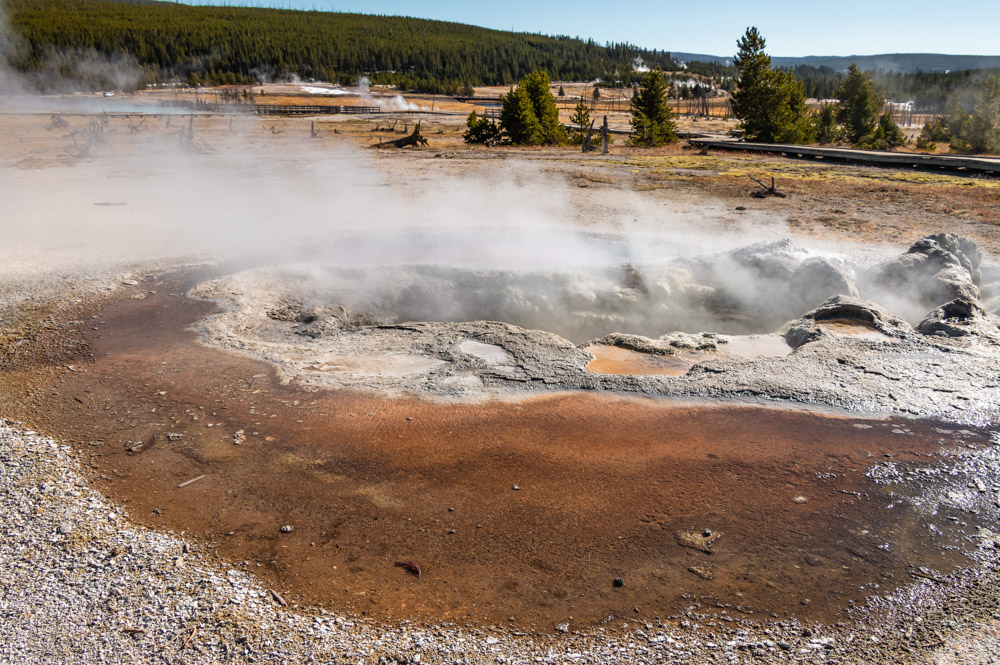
(952,163)
(272,109)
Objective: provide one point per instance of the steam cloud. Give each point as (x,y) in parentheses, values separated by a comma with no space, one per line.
(517,244)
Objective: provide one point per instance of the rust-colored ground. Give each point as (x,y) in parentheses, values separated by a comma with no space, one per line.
(527,510)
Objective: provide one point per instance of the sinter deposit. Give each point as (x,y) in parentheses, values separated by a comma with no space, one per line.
(857,336)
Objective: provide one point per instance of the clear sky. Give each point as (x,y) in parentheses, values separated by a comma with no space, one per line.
(791,27)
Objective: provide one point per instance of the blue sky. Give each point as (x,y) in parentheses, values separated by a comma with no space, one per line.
(791,27)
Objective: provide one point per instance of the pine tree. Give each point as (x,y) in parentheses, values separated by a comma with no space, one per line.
(652,120)
(981,130)
(482,131)
(827,130)
(858,107)
(529,115)
(890,132)
(581,118)
(769,103)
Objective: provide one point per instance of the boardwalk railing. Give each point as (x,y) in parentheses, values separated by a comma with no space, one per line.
(271,109)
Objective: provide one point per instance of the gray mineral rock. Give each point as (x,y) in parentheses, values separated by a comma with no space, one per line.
(935,270)
(819,278)
(959,318)
(844,308)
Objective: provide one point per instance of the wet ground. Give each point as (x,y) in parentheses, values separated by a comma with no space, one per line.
(568,507)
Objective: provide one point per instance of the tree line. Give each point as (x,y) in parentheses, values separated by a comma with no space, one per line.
(770,104)
(529,116)
(930,92)
(87,43)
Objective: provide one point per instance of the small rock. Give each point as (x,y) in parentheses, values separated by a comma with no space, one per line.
(65,528)
(515,488)
(563,627)
(702,572)
(287,528)
(618,582)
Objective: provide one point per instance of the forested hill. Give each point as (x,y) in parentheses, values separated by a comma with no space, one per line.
(91,42)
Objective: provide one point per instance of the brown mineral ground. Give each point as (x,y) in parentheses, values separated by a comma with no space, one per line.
(616,360)
(528,509)
(852,328)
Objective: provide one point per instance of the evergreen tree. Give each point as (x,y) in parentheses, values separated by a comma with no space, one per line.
(827,130)
(769,103)
(597,93)
(890,132)
(580,117)
(652,120)
(980,132)
(529,115)
(482,131)
(562,93)
(858,106)
(793,123)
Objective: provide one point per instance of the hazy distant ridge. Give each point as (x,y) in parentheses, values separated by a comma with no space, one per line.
(906,63)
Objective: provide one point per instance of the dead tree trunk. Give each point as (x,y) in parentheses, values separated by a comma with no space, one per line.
(764,190)
(604,137)
(413,139)
(586,141)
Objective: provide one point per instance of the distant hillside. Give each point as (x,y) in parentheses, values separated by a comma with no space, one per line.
(903,63)
(98,44)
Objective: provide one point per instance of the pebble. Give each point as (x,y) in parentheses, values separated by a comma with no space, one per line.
(287,528)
